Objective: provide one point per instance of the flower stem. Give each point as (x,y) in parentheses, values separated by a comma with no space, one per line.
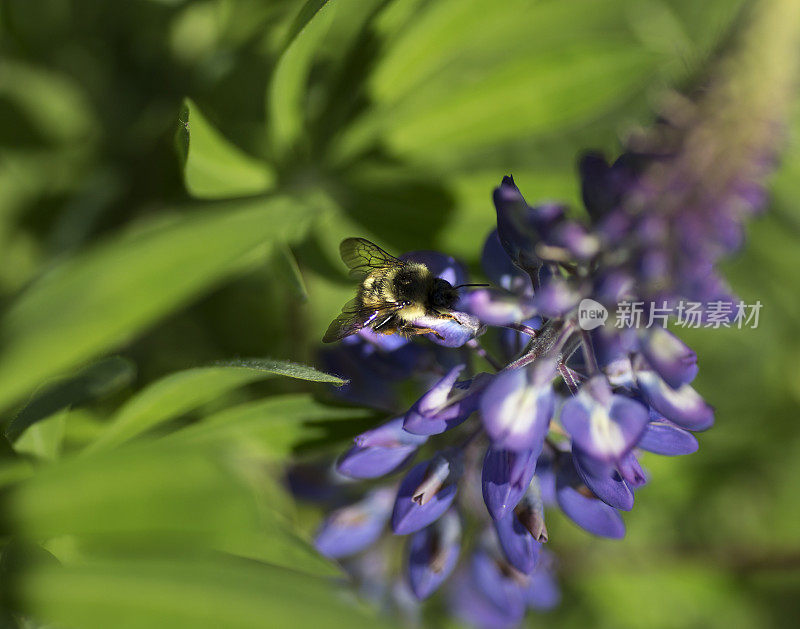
(474,345)
(552,339)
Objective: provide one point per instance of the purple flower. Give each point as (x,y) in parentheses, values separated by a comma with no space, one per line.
(663,437)
(506,476)
(379,451)
(499,307)
(517,406)
(603,481)
(450,332)
(517,543)
(433,553)
(658,221)
(603,425)
(557,296)
(543,591)
(670,357)
(351,529)
(501,271)
(498,581)
(444,406)
(583,508)
(470,603)
(682,406)
(426,492)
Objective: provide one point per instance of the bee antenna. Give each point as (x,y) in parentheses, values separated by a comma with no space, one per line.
(463,285)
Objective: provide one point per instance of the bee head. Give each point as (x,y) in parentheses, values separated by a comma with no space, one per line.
(443,294)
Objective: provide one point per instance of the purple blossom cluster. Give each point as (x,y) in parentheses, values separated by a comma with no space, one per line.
(519,409)
(559,419)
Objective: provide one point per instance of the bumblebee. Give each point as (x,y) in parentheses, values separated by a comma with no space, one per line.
(393,294)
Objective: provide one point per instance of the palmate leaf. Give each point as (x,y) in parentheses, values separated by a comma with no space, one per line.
(95,301)
(181,392)
(185,592)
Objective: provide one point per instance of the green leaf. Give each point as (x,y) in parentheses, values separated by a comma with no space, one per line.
(95,381)
(284,368)
(181,392)
(463,77)
(525,97)
(53,102)
(184,592)
(287,269)
(276,426)
(307,13)
(131,491)
(91,303)
(214,168)
(192,497)
(287,88)
(44,439)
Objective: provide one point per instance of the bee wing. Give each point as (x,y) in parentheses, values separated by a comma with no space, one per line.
(362,256)
(353,318)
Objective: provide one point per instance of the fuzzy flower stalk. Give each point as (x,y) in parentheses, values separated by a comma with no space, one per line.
(463,473)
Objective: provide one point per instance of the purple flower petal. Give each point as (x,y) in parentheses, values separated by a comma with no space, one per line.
(497,584)
(351,529)
(444,406)
(379,451)
(506,476)
(513,230)
(433,553)
(603,481)
(497,307)
(454,331)
(631,471)
(591,514)
(603,425)
(556,297)
(543,592)
(469,603)
(683,406)
(517,543)
(517,406)
(501,271)
(575,239)
(387,342)
(662,437)
(425,493)
(670,357)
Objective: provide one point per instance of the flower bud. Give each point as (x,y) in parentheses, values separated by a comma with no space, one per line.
(379,451)
(351,529)
(433,553)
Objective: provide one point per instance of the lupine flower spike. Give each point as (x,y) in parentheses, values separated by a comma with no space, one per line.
(562,418)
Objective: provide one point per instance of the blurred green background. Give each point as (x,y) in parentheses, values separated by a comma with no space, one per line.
(175,177)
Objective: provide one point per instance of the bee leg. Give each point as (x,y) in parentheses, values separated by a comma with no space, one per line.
(411,330)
